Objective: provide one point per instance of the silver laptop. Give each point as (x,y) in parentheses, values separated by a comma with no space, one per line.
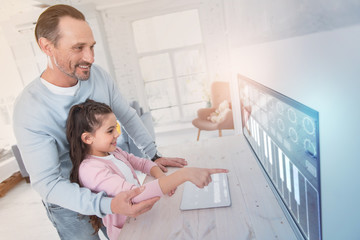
(216,194)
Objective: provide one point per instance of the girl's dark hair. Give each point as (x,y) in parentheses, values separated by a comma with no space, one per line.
(83,117)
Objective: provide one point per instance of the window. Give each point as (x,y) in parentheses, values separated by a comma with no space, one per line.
(171,60)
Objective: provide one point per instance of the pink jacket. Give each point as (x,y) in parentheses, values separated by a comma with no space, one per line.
(102,175)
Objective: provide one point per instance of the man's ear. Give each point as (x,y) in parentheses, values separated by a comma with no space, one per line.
(87,138)
(46,46)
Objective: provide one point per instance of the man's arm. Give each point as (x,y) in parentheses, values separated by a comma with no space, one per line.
(136,130)
(42,144)
(42,162)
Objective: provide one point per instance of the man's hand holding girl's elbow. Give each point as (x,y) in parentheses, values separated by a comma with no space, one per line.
(122,203)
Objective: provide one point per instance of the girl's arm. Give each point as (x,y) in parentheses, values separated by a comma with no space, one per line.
(201,177)
(166,184)
(156,172)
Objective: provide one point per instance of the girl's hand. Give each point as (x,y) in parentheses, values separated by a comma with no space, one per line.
(172,192)
(201,177)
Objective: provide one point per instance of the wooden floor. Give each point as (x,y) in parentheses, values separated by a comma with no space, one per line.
(10,183)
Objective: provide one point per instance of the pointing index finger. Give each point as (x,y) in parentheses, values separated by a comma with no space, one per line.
(218,170)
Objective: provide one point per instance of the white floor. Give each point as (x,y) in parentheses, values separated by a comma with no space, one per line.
(22,215)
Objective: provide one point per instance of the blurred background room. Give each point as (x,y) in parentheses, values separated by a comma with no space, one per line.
(165,54)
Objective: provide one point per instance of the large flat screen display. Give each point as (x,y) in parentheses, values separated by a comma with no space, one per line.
(284,136)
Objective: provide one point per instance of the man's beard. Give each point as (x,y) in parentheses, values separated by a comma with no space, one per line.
(82,77)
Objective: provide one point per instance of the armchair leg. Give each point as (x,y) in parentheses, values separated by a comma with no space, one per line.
(220,133)
(198,136)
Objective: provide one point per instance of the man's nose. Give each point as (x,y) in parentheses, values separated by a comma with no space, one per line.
(88,55)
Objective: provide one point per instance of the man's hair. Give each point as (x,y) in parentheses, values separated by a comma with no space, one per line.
(48,21)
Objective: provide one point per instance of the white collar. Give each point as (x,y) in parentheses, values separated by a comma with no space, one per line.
(68,91)
(108,157)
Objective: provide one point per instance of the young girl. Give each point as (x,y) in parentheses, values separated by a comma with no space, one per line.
(98,164)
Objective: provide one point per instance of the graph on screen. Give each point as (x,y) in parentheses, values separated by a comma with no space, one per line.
(284,136)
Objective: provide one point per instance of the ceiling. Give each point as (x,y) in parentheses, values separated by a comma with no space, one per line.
(14,7)
(9,8)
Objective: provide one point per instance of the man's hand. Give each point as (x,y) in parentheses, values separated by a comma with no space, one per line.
(164,162)
(122,203)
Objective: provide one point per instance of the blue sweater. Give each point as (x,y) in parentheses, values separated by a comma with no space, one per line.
(39,123)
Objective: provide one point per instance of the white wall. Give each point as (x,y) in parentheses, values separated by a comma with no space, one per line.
(320,70)
(309,51)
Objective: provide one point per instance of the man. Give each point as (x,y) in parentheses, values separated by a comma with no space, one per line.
(40,115)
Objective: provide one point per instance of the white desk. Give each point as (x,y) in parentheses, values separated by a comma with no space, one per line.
(254,213)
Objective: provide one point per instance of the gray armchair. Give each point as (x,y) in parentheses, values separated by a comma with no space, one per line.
(20,163)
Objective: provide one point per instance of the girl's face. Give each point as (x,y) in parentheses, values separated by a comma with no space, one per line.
(103,140)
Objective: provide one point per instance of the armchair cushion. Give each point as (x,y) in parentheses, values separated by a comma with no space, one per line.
(219,114)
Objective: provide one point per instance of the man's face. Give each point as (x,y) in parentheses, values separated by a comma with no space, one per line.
(74,53)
